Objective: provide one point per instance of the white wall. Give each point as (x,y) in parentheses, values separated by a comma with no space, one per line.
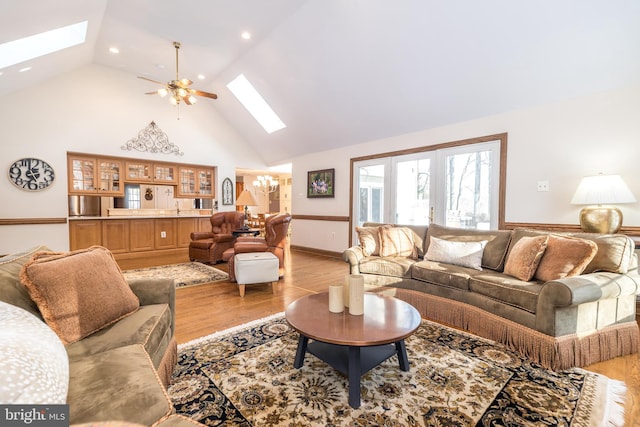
(97,110)
(558,143)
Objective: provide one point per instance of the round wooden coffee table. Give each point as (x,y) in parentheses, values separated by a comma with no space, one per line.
(353,344)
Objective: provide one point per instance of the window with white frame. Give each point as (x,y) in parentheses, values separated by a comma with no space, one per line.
(455,184)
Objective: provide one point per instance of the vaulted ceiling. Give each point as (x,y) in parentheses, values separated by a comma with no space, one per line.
(342,72)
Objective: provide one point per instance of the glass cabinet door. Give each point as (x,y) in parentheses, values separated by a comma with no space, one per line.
(138,171)
(82,175)
(187,184)
(109,177)
(164,173)
(205,180)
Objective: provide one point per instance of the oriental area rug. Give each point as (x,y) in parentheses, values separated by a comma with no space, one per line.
(184,274)
(245,377)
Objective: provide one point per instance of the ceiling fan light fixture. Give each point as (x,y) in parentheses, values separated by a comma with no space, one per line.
(178,89)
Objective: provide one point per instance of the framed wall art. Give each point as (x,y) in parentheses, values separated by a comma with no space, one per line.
(227,192)
(320,183)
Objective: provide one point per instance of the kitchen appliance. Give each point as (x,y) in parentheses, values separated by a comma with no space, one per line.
(84,206)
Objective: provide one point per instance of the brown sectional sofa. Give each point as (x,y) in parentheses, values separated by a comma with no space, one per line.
(568,321)
(118,373)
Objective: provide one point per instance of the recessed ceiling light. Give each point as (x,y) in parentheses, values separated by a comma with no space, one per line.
(201,76)
(26,48)
(114,50)
(245,35)
(22,70)
(161,66)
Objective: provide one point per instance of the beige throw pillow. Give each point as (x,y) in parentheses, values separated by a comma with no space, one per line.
(464,254)
(525,256)
(565,257)
(80,292)
(369,239)
(615,252)
(397,241)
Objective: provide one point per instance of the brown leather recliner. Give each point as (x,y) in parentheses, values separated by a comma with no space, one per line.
(274,241)
(209,246)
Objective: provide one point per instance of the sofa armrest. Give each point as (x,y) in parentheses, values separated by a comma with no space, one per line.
(156,291)
(353,256)
(587,302)
(584,288)
(201,235)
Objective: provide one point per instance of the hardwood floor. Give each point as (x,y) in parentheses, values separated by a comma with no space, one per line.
(205,309)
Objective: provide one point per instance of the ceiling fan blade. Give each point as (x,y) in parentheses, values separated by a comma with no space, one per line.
(155,92)
(152,81)
(202,93)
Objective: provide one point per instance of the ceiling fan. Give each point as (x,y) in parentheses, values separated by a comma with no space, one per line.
(179,88)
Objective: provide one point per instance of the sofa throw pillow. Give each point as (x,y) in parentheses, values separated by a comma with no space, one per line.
(565,257)
(615,252)
(495,251)
(33,361)
(397,241)
(369,239)
(524,257)
(80,292)
(464,254)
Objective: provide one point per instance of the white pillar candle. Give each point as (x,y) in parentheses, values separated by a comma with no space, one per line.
(336,300)
(345,294)
(356,294)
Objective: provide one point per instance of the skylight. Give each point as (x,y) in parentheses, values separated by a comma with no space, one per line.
(257,106)
(24,49)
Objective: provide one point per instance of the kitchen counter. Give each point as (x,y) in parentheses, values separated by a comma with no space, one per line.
(80,218)
(139,240)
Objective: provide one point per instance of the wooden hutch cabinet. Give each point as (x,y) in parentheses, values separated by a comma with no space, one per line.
(159,173)
(165,173)
(196,182)
(95,176)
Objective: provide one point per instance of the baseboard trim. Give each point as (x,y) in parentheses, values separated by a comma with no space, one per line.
(144,259)
(316,251)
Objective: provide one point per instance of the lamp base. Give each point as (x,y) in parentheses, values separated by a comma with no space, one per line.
(601,219)
(245,226)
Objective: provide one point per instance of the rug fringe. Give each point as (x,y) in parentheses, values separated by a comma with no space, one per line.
(234,329)
(614,410)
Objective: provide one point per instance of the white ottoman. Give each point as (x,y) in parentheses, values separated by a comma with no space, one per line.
(255,267)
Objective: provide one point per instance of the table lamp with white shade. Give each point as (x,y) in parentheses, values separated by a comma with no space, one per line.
(600,192)
(246,198)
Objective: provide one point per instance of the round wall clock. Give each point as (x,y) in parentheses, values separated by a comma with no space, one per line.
(227,192)
(31,174)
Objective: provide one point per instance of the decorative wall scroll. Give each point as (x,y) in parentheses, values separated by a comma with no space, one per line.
(152,140)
